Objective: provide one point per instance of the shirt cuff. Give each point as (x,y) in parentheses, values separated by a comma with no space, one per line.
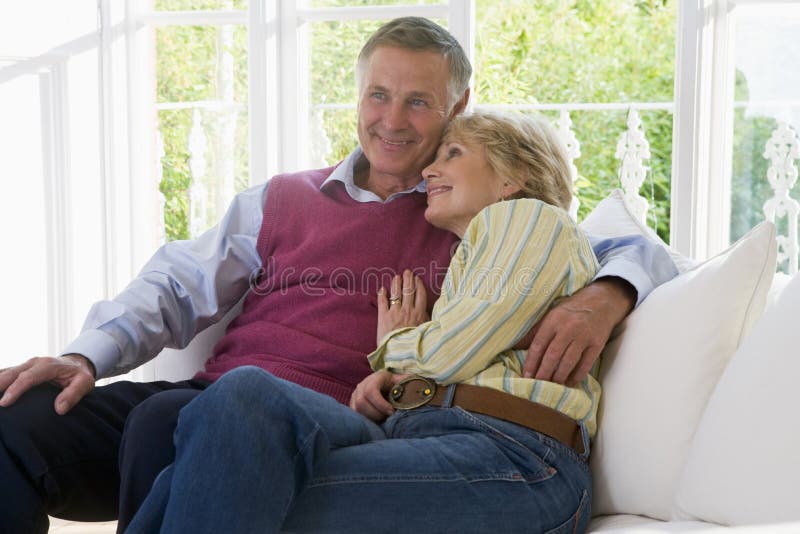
(99,348)
(631,272)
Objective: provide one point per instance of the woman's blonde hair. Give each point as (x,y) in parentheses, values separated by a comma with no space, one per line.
(522,150)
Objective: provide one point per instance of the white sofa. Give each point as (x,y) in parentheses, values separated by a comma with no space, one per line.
(698,422)
(698,419)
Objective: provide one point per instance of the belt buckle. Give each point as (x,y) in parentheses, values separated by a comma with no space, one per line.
(425,392)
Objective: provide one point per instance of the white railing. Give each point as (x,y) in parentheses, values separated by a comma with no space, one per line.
(633,151)
(782,149)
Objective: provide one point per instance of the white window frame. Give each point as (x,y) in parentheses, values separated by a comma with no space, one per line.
(701,171)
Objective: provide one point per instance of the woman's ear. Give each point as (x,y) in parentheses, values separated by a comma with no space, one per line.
(510,189)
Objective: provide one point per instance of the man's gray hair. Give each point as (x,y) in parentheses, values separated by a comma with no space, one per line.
(417,33)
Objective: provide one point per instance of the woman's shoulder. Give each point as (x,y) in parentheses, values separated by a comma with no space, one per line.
(517,220)
(508,211)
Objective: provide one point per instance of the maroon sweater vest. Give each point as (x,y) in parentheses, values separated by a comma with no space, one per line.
(311,315)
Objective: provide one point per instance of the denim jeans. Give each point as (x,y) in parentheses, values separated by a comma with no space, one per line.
(258,454)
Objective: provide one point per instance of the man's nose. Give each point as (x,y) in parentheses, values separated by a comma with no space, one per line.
(396,117)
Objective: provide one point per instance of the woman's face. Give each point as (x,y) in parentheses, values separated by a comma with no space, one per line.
(460,183)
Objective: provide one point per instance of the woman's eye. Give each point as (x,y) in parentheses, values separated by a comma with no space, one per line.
(453,152)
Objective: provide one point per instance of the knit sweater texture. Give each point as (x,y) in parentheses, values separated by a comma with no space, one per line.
(311,314)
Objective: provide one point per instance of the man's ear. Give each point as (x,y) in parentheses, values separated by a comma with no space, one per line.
(461,105)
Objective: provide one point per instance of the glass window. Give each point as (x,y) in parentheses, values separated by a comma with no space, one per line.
(201,74)
(609,51)
(360,3)
(766,52)
(23,283)
(190,5)
(599,52)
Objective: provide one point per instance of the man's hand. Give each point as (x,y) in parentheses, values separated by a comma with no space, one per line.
(73,372)
(405,305)
(369,399)
(571,335)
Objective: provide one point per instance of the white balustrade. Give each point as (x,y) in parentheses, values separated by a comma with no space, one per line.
(573,146)
(632,150)
(161,228)
(198,194)
(225,148)
(782,149)
(321,146)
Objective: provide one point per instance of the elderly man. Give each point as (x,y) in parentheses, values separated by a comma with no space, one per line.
(306,248)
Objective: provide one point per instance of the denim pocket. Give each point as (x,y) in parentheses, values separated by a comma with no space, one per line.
(520,445)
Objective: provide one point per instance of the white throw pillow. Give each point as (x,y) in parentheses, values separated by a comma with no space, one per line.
(613,217)
(658,374)
(744,463)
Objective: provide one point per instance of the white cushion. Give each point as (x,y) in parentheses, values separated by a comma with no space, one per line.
(613,217)
(658,374)
(744,463)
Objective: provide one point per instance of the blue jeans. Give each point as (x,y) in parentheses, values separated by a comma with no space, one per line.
(258,454)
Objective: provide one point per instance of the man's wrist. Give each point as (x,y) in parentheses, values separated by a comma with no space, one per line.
(83,361)
(624,290)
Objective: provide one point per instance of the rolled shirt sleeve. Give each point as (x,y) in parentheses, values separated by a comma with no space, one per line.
(184,288)
(642,262)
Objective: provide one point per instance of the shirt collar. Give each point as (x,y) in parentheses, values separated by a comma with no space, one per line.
(345,173)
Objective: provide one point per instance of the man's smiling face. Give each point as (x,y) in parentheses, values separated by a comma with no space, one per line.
(402,111)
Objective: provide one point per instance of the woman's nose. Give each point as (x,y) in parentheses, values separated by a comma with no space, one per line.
(430,171)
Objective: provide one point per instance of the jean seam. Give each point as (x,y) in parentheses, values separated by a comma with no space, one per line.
(380,479)
(553,443)
(573,519)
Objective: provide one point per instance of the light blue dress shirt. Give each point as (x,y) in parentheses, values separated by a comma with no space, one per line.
(189,285)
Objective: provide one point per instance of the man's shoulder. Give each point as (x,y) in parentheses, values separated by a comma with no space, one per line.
(306,176)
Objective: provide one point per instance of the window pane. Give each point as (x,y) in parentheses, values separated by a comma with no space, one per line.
(608,51)
(33,27)
(203,122)
(766,52)
(85,183)
(23,273)
(357,3)
(190,5)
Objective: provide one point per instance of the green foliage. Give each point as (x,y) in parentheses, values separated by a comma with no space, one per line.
(548,51)
(587,51)
(186,71)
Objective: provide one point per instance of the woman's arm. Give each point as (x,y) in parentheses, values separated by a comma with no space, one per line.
(516,259)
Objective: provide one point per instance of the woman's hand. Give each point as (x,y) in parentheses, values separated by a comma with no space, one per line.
(369,397)
(404,306)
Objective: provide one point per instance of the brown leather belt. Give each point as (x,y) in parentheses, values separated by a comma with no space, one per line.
(416,391)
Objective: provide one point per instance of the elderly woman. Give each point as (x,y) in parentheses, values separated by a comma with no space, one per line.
(469,444)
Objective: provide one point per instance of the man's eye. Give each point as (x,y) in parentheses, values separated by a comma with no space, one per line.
(418,102)
(378,95)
